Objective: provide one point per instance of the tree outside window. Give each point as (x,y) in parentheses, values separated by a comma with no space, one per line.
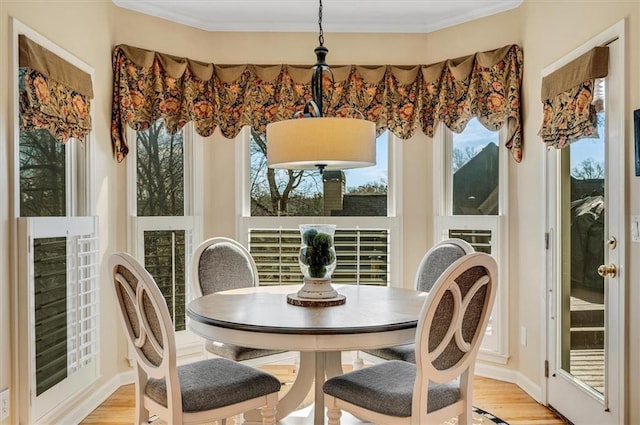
(161,193)
(356,192)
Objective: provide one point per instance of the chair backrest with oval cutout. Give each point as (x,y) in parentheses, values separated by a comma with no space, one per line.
(144,314)
(453,320)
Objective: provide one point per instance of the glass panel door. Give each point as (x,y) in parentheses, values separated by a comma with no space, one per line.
(582,251)
(585,262)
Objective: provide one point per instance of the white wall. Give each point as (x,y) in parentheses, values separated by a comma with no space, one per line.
(545,30)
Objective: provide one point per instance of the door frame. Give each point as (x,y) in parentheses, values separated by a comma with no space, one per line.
(618,31)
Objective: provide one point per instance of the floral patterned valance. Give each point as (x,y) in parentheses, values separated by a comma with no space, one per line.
(56,94)
(569,102)
(149,86)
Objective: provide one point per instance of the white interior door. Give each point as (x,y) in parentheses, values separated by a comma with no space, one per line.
(585,199)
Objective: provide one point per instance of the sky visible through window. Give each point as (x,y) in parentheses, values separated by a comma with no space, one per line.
(475,137)
(378,173)
(470,142)
(585,149)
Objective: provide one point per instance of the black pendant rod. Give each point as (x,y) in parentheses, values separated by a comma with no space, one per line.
(319,67)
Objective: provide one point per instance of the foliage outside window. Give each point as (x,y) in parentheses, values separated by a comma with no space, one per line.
(160,160)
(356,192)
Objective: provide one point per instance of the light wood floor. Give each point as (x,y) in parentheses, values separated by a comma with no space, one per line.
(502,399)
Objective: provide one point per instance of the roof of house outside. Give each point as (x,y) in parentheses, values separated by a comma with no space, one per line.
(475,184)
(363,204)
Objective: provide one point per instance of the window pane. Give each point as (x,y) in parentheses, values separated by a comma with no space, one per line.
(42,172)
(164,258)
(480,240)
(42,175)
(50,283)
(362,256)
(475,171)
(160,179)
(355,192)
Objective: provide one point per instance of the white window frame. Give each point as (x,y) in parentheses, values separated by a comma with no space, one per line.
(494,348)
(187,343)
(78,222)
(392,222)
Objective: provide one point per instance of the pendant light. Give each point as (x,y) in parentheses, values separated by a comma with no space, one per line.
(312,140)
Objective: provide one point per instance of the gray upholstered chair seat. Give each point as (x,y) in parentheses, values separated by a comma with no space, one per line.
(406,353)
(387,388)
(439,385)
(214,383)
(236,352)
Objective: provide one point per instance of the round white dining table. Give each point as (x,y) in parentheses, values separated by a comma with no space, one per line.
(260,317)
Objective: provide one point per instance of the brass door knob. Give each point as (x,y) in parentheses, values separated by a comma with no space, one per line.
(607,270)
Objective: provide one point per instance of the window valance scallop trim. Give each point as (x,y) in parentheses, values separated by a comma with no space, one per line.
(150,85)
(56,95)
(569,108)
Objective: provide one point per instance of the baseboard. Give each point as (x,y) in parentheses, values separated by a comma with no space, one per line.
(511,376)
(496,372)
(88,401)
(530,387)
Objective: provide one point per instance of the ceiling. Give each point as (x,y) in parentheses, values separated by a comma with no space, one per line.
(380,16)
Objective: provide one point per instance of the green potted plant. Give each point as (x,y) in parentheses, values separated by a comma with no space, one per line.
(317,254)
(317,260)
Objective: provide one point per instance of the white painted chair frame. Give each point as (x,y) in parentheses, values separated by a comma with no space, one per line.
(426,371)
(464,245)
(167,369)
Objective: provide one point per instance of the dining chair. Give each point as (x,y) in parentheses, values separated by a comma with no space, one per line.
(433,264)
(438,386)
(219,264)
(204,391)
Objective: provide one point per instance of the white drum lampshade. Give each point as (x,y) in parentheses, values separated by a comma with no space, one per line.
(326,143)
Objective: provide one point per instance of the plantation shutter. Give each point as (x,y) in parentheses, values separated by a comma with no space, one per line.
(363,256)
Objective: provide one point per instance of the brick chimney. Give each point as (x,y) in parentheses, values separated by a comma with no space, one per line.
(333,183)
